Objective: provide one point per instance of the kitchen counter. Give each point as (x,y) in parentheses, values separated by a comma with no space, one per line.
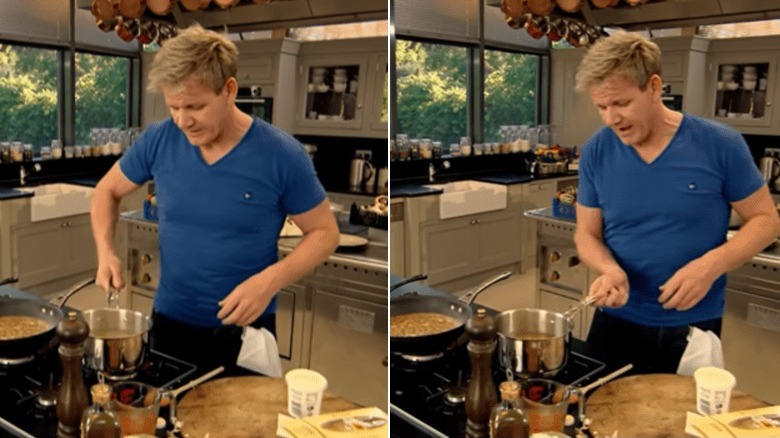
(505,178)
(769,256)
(373,257)
(8,193)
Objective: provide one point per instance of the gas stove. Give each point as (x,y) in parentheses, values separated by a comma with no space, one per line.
(427,398)
(28,390)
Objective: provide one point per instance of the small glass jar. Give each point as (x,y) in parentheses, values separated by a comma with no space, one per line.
(5,152)
(16,152)
(437,149)
(402,147)
(87,151)
(27,152)
(478,148)
(45,153)
(426,148)
(414,149)
(68,151)
(56,149)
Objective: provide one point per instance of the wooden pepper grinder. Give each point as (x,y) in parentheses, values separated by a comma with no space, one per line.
(72,398)
(481,394)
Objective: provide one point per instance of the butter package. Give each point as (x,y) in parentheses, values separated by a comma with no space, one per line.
(362,423)
(759,422)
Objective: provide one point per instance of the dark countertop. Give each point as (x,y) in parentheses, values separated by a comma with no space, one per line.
(8,193)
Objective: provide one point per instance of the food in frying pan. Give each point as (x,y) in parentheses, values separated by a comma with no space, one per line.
(421,324)
(18,327)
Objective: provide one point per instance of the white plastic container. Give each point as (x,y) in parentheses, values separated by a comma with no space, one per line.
(713,390)
(304,392)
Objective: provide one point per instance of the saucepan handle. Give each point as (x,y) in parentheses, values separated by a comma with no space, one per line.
(469,297)
(61,299)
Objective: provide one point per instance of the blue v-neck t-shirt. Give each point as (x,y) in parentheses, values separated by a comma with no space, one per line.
(219,223)
(659,216)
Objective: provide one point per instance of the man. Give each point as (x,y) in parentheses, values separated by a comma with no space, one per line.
(225,182)
(655,193)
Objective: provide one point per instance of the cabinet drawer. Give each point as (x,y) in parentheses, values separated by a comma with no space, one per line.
(256,70)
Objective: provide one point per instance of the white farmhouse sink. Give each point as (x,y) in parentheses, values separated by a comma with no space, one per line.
(52,201)
(461,198)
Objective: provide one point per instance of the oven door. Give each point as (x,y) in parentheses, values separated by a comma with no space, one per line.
(261,107)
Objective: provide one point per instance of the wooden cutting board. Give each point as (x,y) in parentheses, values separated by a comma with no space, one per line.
(650,405)
(241,407)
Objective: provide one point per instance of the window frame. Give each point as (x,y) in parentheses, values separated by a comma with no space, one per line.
(475,77)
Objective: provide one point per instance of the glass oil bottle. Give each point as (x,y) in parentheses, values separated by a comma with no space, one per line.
(100,420)
(507,419)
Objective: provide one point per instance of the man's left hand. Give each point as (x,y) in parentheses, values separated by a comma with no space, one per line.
(687,286)
(246,302)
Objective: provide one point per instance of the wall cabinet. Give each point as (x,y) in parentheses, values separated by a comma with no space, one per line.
(340,88)
(45,251)
(744,86)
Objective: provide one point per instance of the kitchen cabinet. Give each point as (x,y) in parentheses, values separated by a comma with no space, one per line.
(744,86)
(339,88)
(535,195)
(460,247)
(46,251)
(349,342)
(291,305)
(741,84)
(397,236)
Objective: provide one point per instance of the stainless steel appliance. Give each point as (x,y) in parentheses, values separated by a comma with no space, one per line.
(360,172)
(251,101)
(770,169)
(751,326)
(428,398)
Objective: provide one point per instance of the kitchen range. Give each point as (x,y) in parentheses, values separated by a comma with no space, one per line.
(428,394)
(29,385)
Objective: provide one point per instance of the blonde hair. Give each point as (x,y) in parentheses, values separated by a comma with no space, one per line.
(628,53)
(197,52)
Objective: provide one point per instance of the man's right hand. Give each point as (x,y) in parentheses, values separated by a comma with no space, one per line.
(109,273)
(610,289)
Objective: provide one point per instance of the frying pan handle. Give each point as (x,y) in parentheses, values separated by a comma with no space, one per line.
(412,279)
(469,297)
(8,280)
(61,299)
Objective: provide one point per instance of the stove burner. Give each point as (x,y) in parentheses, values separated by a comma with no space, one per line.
(47,398)
(455,395)
(415,359)
(15,361)
(117,377)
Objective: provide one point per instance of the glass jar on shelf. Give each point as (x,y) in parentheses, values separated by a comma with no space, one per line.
(56,149)
(16,152)
(5,152)
(402,147)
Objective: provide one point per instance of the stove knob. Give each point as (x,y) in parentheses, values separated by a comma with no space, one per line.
(554,276)
(146,259)
(555,256)
(574,261)
(146,279)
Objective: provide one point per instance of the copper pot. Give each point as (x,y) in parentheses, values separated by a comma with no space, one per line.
(128,30)
(132,8)
(570,6)
(195,5)
(541,7)
(536,27)
(160,7)
(105,9)
(225,4)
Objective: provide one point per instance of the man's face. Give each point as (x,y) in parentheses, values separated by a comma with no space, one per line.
(625,108)
(198,111)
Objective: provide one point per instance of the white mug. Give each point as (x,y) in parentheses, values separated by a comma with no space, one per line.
(381,180)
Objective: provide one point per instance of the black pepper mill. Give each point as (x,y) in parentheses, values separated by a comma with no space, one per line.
(72,398)
(481,395)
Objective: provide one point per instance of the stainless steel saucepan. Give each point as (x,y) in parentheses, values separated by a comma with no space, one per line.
(535,342)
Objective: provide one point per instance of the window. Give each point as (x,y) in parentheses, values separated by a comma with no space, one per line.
(102,84)
(431,84)
(28,94)
(510,91)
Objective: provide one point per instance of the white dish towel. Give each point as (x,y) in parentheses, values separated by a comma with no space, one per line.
(704,349)
(259,352)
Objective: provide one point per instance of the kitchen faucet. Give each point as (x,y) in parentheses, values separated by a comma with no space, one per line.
(432,170)
(23,173)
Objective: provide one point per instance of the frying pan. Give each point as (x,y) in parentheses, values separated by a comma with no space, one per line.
(436,343)
(47,311)
(418,277)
